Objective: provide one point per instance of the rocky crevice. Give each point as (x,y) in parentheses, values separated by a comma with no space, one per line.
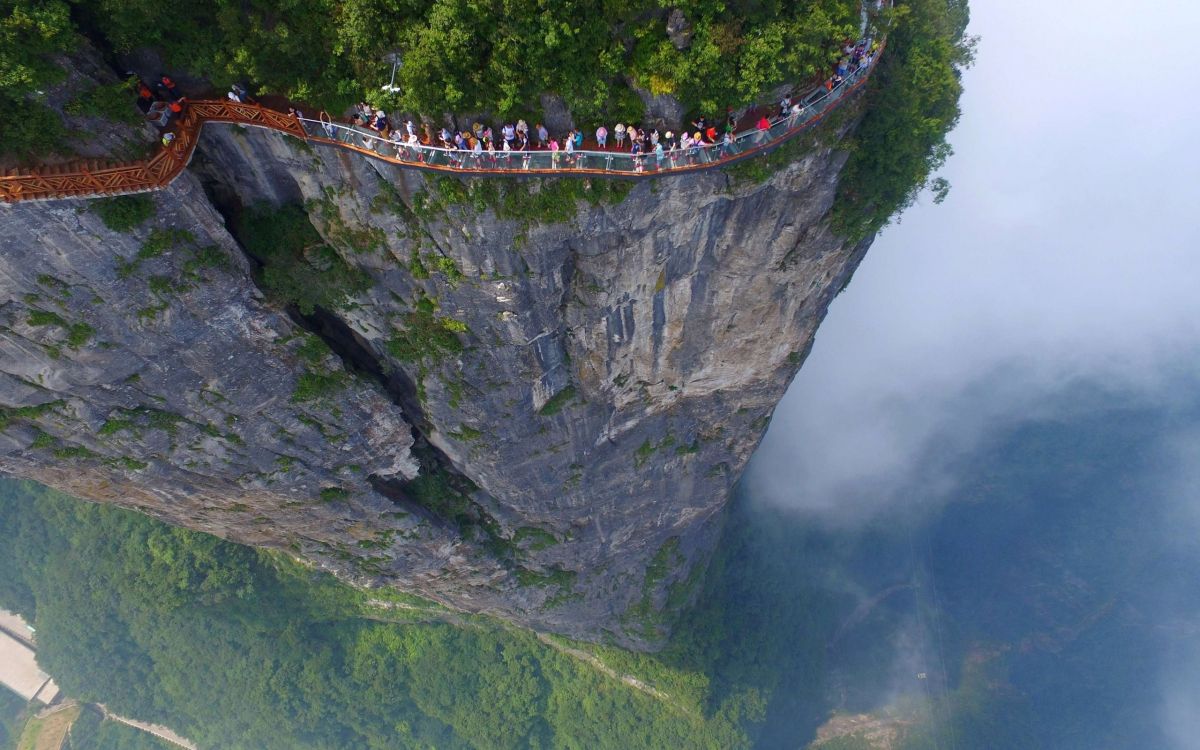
(360,360)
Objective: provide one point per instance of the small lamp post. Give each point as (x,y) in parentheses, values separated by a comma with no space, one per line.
(397,61)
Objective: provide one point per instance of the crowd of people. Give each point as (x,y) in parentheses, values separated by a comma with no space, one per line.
(162,101)
(482,146)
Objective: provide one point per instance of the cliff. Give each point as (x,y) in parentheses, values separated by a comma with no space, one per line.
(532,403)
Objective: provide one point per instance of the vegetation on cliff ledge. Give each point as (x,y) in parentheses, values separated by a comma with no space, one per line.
(912,105)
(458,55)
(298,267)
(469,56)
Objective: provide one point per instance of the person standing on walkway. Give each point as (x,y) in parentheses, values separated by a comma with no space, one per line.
(602,138)
(764,127)
(168,86)
(727,145)
(794,116)
(553,149)
(619,132)
(542,135)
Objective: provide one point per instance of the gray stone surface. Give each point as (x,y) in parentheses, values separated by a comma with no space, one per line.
(663,328)
(663,111)
(679,29)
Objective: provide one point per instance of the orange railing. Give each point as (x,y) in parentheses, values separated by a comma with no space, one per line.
(93,178)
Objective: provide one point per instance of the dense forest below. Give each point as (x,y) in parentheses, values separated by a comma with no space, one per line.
(1034,603)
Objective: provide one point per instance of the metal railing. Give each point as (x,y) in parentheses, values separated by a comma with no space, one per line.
(617,162)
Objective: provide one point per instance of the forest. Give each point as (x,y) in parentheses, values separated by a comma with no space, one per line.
(241,648)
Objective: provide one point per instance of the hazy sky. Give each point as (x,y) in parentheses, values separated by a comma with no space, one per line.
(1068,248)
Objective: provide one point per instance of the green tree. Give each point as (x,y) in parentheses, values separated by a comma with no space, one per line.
(30,32)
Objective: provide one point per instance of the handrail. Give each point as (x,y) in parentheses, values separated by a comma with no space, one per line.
(608,163)
(88,179)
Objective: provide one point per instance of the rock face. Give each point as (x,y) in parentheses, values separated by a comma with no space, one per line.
(679,29)
(617,362)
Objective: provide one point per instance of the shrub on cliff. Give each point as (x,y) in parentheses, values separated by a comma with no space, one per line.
(298,267)
(124,213)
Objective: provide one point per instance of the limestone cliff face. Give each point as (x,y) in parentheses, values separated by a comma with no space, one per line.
(572,454)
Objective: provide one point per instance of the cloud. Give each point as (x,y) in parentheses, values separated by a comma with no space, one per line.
(1066,253)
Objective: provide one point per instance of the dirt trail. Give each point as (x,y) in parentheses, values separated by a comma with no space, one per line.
(159,731)
(611,673)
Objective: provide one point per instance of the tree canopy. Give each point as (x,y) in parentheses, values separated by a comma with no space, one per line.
(31,31)
(470,56)
(238,648)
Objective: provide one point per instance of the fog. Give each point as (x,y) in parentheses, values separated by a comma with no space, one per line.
(1066,251)
(1066,255)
